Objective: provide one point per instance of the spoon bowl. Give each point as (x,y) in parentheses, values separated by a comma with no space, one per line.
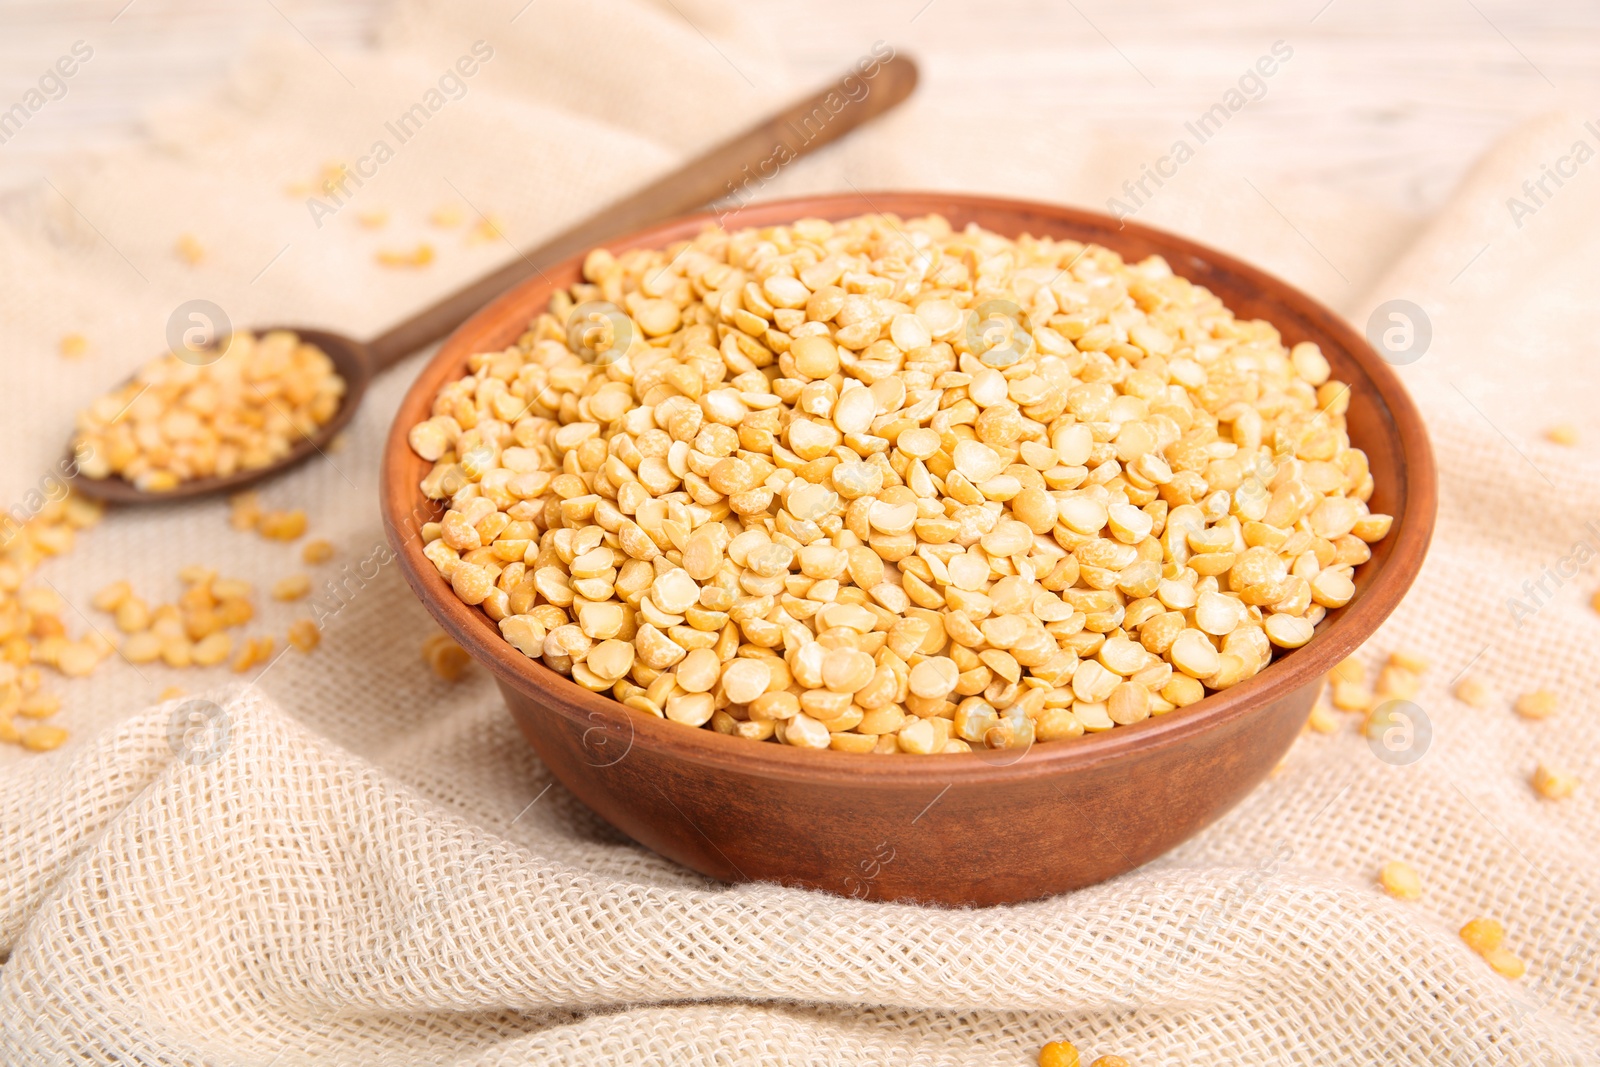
(352,362)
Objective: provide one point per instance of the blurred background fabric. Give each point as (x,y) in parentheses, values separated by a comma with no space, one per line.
(377,870)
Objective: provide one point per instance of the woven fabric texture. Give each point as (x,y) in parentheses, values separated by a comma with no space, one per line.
(376,870)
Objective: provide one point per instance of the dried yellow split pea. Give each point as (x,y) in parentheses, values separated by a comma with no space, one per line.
(1505,963)
(294,587)
(1401,880)
(1396,683)
(190,250)
(1059,1054)
(304,634)
(1553,785)
(1408,661)
(1322,719)
(1481,935)
(1473,693)
(1349,670)
(1539,704)
(1563,433)
(420,256)
(489,228)
(1351,696)
(445,658)
(39,705)
(43,738)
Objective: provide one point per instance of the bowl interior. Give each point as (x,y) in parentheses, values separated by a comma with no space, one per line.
(1381,419)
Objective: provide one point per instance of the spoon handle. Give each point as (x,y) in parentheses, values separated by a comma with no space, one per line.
(803,127)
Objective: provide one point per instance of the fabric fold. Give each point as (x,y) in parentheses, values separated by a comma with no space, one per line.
(280,895)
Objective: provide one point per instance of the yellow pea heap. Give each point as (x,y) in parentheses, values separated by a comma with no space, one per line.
(175,421)
(191,632)
(32,632)
(881,486)
(195,631)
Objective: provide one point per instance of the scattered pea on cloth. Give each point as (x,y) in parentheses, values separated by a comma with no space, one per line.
(1486,937)
(1473,693)
(32,632)
(1059,1054)
(318,551)
(420,256)
(1539,704)
(1563,433)
(1401,880)
(293,587)
(304,634)
(1552,784)
(445,658)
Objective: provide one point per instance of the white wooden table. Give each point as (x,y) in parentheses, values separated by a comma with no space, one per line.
(1390,101)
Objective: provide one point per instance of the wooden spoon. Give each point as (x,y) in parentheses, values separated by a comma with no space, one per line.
(737,163)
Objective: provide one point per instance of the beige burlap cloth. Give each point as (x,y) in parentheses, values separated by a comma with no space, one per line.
(376,870)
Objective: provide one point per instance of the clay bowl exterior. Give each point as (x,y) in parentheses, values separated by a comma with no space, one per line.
(964,829)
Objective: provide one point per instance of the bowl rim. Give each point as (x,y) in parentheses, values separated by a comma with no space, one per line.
(401,501)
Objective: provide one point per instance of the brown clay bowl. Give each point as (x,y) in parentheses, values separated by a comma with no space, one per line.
(973,828)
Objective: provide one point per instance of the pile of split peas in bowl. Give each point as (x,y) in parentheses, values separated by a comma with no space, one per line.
(883,486)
